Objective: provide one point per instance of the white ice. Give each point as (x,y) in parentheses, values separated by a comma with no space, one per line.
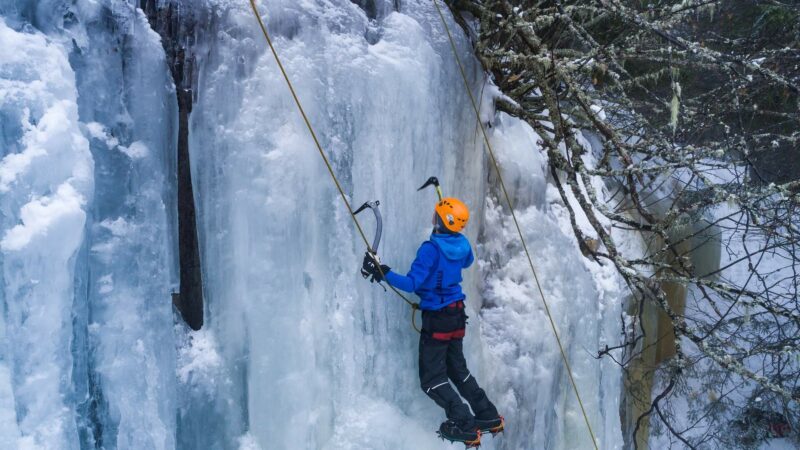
(298,351)
(331,360)
(46,181)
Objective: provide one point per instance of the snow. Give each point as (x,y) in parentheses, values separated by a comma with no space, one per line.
(97,131)
(248,442)
(199,359)
(86,255)
(779,444)
(136,150)
(369,424)
(40,215)
(45,177)
(599,110)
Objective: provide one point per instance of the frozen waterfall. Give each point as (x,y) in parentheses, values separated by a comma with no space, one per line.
(297,351)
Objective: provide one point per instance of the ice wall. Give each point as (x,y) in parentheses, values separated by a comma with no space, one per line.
(88,358)
(326,360)
(329,359)
(46,183)
(130,266)
(585,298)
(298,351)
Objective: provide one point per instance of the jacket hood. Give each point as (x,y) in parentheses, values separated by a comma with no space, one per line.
(453,246)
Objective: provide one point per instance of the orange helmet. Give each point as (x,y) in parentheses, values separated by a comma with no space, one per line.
(454,213)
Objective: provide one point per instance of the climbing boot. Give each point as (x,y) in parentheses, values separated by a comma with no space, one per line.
(455,432)
(494,426)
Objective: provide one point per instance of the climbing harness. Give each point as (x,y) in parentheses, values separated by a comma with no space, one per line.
(516,222)
(414,305)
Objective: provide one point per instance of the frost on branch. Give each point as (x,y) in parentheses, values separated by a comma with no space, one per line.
(695,105)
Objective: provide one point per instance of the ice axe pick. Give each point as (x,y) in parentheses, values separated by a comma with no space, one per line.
(433,181)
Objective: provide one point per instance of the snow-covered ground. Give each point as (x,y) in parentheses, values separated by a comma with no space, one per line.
(298,351)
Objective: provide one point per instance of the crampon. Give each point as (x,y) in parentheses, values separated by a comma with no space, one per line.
(466,433)
(493,426)
(473,443)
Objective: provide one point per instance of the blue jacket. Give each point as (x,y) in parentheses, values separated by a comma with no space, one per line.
(435,274)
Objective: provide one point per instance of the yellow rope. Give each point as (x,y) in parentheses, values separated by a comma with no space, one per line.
(516,223)
(414,306)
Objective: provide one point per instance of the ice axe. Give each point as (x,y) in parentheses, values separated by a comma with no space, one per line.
(379,222)
(433,181)
(373,250)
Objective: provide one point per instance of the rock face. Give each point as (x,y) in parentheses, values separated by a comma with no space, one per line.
(175,25)
(368,6)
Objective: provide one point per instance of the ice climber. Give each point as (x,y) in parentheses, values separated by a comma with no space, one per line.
(435,276)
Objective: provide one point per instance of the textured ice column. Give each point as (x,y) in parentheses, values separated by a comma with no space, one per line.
(325,359)
(529,378)
(45,183)
(128,103)
(105,354)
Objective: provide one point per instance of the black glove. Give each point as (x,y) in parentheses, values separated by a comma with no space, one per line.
(369,268)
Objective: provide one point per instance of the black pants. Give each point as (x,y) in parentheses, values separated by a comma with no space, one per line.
(441,356)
